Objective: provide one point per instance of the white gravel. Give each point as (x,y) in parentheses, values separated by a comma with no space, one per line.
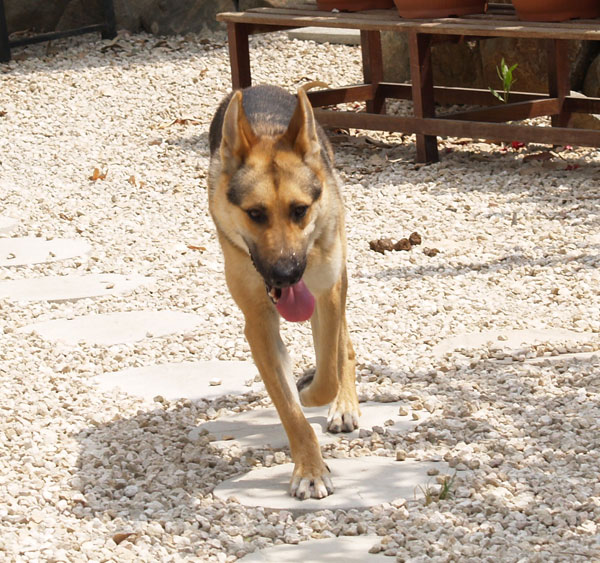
(92,476)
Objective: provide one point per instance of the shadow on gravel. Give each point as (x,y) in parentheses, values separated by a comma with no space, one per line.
(533,432)
(585,260)
(152,466)
(540,427)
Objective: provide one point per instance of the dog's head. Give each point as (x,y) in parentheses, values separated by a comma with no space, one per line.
(270,190)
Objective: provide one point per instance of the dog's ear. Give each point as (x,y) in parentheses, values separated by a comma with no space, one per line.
(302,133)
(238,137)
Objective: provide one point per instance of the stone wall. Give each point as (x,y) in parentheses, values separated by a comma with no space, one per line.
(164,17)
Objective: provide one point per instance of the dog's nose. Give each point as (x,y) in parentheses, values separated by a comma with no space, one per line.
(286,272)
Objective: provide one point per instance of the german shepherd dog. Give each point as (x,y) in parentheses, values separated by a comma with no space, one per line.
(277,207)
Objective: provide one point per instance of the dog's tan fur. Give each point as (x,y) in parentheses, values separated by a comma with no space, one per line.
(258,163)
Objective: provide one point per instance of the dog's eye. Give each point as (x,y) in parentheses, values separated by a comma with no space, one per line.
(257,215)
(299,212)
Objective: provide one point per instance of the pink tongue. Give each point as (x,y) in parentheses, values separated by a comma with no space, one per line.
(296,303)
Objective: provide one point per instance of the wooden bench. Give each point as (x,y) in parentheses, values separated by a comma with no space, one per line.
(492,121)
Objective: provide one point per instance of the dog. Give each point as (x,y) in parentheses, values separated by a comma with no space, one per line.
(279,215)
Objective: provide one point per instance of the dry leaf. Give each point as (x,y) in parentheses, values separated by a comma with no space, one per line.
(182,121)
(97,175)
(121,536)
(132,180)
(545,155)
(3,113)
(193,247)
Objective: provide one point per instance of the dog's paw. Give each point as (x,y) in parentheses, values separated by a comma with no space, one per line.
(342,417)
(304,487)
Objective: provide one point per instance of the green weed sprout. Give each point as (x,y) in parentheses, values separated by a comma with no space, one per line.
(506,75)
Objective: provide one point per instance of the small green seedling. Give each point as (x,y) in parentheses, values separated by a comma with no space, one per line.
(431,495)
(506,75)
(447,485)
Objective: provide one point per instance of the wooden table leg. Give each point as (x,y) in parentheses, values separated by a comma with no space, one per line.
(421,73)
(372,59)
(110,23)
(4,45)
(239,54)
(559,78)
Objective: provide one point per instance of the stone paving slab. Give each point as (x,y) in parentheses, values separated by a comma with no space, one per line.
(70,288)
(7,224)
(190,380)
(260,427)
(508,339)
(326,35)
(359,482)
(349,549)
(578,356)
(33,250)
(115,328)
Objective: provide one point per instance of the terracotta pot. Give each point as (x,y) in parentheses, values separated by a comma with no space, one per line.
(556,10)
(439,8)
(354,5)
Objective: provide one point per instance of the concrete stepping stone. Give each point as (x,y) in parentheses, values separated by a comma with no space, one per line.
(577,356)
(359,482)
(115,328)
(508,339)
(261,427)
(70,288)
(7,224)
(349,549)
(326,35)
(33,250)
(190,380)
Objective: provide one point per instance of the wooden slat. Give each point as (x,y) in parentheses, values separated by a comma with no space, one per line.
(582,105)
(456,128)
(444,95)
(491,17)
(333,96)
(388,20)
(510,112)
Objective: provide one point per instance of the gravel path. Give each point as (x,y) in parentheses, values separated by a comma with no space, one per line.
(91,476)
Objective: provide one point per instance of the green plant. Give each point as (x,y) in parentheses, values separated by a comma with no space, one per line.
(506,75)
(447,485)
(446,489)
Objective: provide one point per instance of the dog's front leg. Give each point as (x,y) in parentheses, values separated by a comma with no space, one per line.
(311,475)
(334,380)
